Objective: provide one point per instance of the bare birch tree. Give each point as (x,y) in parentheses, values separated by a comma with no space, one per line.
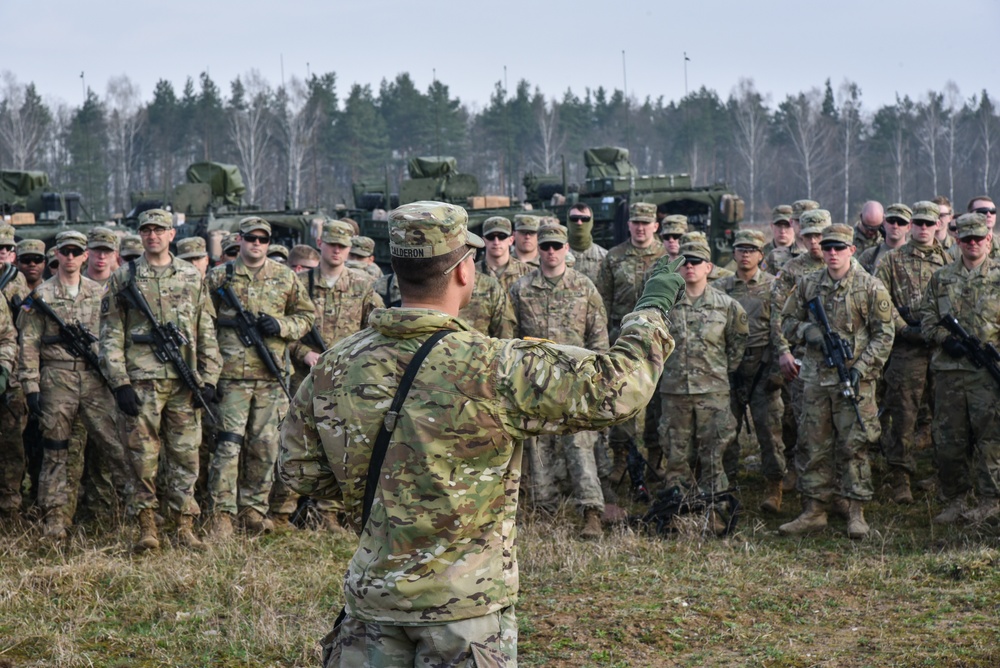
(750,123)
(851,125)
(250,128)
(23,122)
(953,107)
(929,130)
(298,124)
(126,115)
(808,131)
(985,123)
(551,141)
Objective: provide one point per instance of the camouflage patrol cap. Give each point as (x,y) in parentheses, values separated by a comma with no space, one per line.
(30,247)
(525,222)
(781,213)
(972,225)
(548,220)
(694,236)
(337,232)
(355,229)
(362,246)
(254,223)
(157,218)
(7,235)
(191,248)
(130,247)
(642,212)
(837,235)
(497,224)
(899,210)
(814,221)
(675,223)
(551,232)
(71,238)
(102,237)
(428,229)
(696,249)
(800,206)
(230,240)
(51,259)
(278,253)
(749,238)
(925,210)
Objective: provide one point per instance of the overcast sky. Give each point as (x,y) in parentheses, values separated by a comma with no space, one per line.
(783,45)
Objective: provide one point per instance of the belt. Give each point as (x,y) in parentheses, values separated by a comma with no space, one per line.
(67,365)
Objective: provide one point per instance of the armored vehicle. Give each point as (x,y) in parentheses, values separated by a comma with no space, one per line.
(28,202)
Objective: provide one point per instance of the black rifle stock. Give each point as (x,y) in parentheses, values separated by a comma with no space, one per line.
(982,356)
(314,340)
(75,338)
(838,354)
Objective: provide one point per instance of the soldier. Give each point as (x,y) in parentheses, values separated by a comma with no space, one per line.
(31,261)
(833,461)
(696,237)
(51,262)
(251,399)
(442,590)
(102,254)
(490,310)
(343,299)
(966,426)
(150,393)
(866,230)
(710,330)
(526,238)
(799,207)
(303,258)
(230,248)
(362,257)
(751,287)
(560,304)
(8,246)
(192,249)
(984,204)
(497,261)
(60,386)
(672,228)
(14,413)
(129,248)
(278,253)
(783,246)
(894,230)
(580,226)
(905,273)
(945,234)
(11,457)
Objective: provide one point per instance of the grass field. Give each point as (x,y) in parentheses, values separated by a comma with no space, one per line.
(910,595)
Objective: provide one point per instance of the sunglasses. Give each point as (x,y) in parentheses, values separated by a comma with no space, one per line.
(71,251)
(985,209)
(746,249)
(953,228)
(31,259)
(256,238)
(835,248)
(898,222)
(551,245)
(925,223)
(9,249)
(232,252)
(580,219)
(972,240)
(497,236)
(671,237)
(782,223)
(693,261)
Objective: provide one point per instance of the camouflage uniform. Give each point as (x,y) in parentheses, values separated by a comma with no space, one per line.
(11,459)
(870,259)
(508,274)
(862,241)
(490,311)
(589,261)
(14,412)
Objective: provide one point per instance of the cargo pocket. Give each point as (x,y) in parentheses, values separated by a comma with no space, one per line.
(484,656)
(332,644)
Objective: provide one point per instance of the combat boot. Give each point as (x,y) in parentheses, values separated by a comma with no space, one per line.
(254,522)
(620,465)
(857,528)
(329,522)
(953,512)
(591,524)
(715,523)
(988,507)
(148,540)
(772,497)
(282,522)
(655,459)
(813,518)
(220,527)
(901,492)
(841,508)
(789,481)
(55,527)
(186,536)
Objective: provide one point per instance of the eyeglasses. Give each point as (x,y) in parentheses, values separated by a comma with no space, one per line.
(471,251)
(972,240)
(746,249)
(527,232)
(71,251)
(551,246)
(944,214)
(693,261)
(924,223)
(152,230)
(898,222)
(781,223)
(989,210)
(232,252)
(642,222)
(671,237)
(580,219)
(31,259)
(256,238)
(498,236)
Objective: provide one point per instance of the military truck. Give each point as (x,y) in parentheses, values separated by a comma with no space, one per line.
(28,202)
(612,183)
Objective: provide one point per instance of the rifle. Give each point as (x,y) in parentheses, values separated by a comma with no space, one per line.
(166,341)
(838,353)
(907,314)
(8,274)
(75,338)
(314,339)
(247,331)
(982,356)
(636,465)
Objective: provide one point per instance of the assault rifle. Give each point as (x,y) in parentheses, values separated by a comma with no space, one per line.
(6,276)
(75,338)
(907,314)
(166,341)
(982,356)
(838,353)
(314,339)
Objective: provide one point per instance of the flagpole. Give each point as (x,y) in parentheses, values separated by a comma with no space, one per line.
(686,59)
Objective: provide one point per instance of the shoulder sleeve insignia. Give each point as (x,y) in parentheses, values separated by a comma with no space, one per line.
(105,304)
(883,305)
(743,318)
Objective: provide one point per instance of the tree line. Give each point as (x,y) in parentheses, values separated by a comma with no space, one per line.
(301,144)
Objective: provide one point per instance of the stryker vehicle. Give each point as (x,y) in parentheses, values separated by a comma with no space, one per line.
(613,183)
(36,212)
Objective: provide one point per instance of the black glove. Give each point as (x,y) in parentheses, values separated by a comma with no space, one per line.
(813,336)
(855,377)
(4,375)
(954,347)
(911,334)
(663,286)
(34,404)
(210,394)
(268,325)
(128,400)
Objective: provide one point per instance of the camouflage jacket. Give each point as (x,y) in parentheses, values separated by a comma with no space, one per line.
(8,340)
(873,256)
(341,310)
(15,291)
(388,290)
(956,251)
(776,257)
(784,284)
(490,311)
(622,277)
(441,542)
(973,298)
(276,291)
(570,312)
(508,276)
(39,332)
(906,271)
(372,270)
(859,310)
(710,334)
(862,241)
(755,298)
(588,262)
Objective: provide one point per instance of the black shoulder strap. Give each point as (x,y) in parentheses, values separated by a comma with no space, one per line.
(389,423)
(312,282)
(131,270)
(229,271)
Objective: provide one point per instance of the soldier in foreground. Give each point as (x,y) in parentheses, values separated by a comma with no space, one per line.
(11,460)
(442,591)
(14,412)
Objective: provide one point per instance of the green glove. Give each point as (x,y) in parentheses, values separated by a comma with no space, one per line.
(663,286)
(4,374)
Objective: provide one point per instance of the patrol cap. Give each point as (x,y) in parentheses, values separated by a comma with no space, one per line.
(51,259)
(191,248)
(553,232)
(925,210)
(157,218)
(102,237)
(7,235)
(642,212)
(229,241)
(355,229)
(525,222)
(254,223)
(675,223)
(972,225)
(696,250)
(547,220)
(276,251)
(71,238)
(781,213)
(362,246)
(814,221)
(337,232)
(693,237)
(837,236)
(428,229)
(800,206)
(900,210)
(749,238)
(130,247)
(497,224)
(30,247)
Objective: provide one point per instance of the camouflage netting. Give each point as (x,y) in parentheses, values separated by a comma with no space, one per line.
(608,161)
(432,167)
(225,180)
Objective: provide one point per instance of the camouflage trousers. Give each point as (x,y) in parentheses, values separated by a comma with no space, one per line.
(906,386)
(766,410)
(694,431)
(966,431)
(579,469)
(165,405)
(489,641)
(241,472)
(832,455)
(13,419)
